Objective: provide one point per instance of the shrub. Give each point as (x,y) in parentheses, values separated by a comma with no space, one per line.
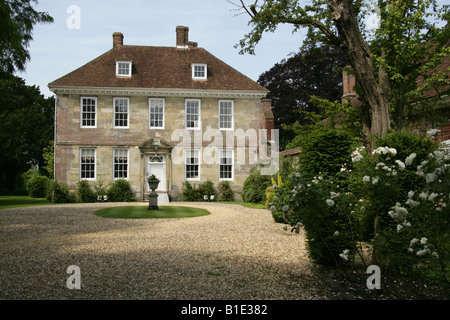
(85,193)
(403,191)
(225,191)
(37,186)
(207,188)
(254,189)
(408,196)
(323,211)
(270,194)
(189,192)
(325,152)
(59,193)
(100,189)
(120,191)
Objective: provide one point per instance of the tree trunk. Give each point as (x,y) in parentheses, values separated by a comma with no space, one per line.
(360,58)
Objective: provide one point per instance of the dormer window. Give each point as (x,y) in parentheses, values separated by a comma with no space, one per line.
(199,71)
(123,68)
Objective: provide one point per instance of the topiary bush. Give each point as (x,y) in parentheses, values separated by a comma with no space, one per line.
(254,189)
(37,186)
(85,193)
(120,191)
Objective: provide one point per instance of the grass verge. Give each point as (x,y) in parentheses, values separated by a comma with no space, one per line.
(8,202)
(140,212)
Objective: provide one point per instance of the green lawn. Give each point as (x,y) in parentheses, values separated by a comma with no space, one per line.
(246,204)
(140,212)
(7,202)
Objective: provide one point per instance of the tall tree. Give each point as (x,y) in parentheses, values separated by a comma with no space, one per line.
(314,71)
(27,122)
(17,19)
(371,55)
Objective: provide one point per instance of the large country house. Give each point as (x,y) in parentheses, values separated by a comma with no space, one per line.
(177,112)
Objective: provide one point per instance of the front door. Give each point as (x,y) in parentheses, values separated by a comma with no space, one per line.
(157,166)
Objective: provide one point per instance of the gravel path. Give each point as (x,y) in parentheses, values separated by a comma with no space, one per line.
(235,253)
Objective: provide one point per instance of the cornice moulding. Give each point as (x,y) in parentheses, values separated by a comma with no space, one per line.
(157,92)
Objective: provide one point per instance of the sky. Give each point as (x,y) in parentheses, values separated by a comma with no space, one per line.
(82,30)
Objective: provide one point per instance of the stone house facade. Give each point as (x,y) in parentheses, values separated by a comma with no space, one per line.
(178,112)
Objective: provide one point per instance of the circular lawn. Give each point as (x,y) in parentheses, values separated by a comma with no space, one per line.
(142,212)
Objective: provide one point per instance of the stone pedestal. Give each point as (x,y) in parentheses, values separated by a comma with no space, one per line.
(153,196)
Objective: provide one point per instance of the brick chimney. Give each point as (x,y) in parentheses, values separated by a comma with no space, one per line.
(267,116)
(349,82)
(182,37)
(117,39)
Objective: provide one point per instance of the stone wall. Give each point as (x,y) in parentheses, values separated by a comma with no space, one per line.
(70,137)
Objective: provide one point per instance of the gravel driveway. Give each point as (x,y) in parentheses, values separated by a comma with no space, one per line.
(234,253)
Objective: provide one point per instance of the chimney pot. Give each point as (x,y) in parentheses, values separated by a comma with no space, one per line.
(117,39)
(182,36)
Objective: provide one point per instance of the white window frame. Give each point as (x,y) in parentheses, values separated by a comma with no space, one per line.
(118,69)
(150,113)
(83,112)
(205,71)
(188,151)
(127,113)
(199,122)
(81,163)
(127,171)
(232,114)
(221,150)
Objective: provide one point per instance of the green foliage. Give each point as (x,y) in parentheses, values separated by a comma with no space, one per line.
(120,191)
(37,186)
(59,193)
(270,194)
(313,71)
(254,189)
(391,175)
(189,192)
(48,155)
(17,19)
(324,213)
(325,152)
(225,191)
(194,193)
(100,189)
(207,188)
(395,199)
(85,193)
(27,119)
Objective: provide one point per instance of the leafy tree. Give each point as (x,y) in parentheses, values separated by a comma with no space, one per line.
(17,18)
(26,118)
(49,156)
(314,71)
(406,44)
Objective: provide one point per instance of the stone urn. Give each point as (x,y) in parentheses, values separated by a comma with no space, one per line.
(153,183)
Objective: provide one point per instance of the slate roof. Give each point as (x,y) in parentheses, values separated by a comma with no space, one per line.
(159,68)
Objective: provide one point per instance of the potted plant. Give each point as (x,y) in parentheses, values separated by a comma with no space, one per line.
(153,182)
